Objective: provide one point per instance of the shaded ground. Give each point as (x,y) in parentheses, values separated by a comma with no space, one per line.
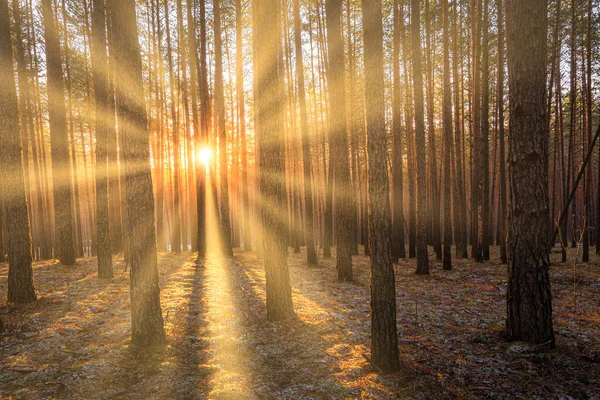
(74,342)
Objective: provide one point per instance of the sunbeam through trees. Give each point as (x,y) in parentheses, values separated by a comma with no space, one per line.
(299,199)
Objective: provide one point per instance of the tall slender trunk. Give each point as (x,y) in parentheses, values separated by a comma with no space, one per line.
(384,336)
(447,145)
(529,299)
(59,139)
(398,131)
(338,151)
(147,327)
(311,255)
(100,71)
(13,198)
(239,81)
(421,242)
(485,137)
(433,192)
(269,118)
(502,202)
(177,217)
(222,132)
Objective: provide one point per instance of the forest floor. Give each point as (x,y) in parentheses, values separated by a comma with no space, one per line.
(74,342)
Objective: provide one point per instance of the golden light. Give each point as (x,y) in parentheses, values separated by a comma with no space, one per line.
(203,156)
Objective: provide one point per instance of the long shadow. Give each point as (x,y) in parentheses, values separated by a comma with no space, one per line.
(287,358)
(175,371)
(85,350)
(190,347)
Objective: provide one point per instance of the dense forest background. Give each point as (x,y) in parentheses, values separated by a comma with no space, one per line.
(368,137)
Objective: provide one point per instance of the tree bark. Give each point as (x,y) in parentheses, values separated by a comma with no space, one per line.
(502,202)
(398,247)
(146,316)
(384,337)
(529,300)
(12,197)
(58,139)
(447,122)
(269,121)
(100,71)
(338,142)
(311,255)
(222,132)
(421,242)
(239,81)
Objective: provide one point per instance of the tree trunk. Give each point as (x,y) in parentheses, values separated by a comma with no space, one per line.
(460,200)
(177,218)
(398,247)
(100,71)
(502,202)
(447,122)
(476,134)
(12,197)
(146,315)
(58,140)
(269,119)
(384,337)
(421,242)
(529,300)
(239,81)
(338,151)
(311,255)
(222,132)
(485,139)
(433,192)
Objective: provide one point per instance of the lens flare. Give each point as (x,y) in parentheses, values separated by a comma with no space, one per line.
(203,156)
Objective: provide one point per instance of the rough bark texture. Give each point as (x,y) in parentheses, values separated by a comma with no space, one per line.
(338,141)
(447,121)
(398,246)
(146,315)
(384,338)
(177,218)
(502,177)
(433,193)
(476,155)
(529,300)
(59,141)
(12,196)
(198,236)
(239,81)
(222,132)
(421,243)
(269,114)
(460,200)
(485,138)
(311,255)
(99,67)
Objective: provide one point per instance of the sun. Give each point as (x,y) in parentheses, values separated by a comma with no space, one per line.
(203,156)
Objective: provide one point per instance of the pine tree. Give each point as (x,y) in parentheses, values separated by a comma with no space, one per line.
(422,256)
(384,337)
(146,315)
(338,141)
(12,197)
(447,123)
(222,132)
(311,255)
(398,131)
(269,121)
(58,139)
(100,71)
(529,300)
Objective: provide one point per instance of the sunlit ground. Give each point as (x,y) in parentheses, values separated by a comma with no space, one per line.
(74,343)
